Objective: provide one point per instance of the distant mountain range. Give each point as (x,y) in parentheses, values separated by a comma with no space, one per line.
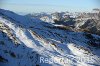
(78,21)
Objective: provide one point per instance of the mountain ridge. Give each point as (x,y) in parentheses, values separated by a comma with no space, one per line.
(40,39)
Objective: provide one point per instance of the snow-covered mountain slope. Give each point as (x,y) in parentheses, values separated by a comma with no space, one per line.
(23,41)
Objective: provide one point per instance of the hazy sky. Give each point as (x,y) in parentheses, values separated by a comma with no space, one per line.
(48,5)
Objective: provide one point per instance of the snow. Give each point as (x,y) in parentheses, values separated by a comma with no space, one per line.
(46,42)
(74,50)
